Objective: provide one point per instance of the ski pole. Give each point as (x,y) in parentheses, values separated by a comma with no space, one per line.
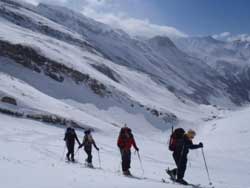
(99,159)
(139,157)
(210,183)
(63,152)
(77,152)
(120,162)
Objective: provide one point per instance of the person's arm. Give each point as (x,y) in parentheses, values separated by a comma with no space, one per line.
(194,146)
(65,136)
(134,144)
(77,139)
(93,141)
(82,144)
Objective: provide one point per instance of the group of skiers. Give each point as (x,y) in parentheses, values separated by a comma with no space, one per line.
(70,138)
(180,142)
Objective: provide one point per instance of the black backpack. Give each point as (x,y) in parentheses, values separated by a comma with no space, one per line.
(176,135)
(70,134)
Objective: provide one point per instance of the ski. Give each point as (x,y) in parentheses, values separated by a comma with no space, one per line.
(195,185)
(165,181)
(134,177)
(199,186)
(71,162)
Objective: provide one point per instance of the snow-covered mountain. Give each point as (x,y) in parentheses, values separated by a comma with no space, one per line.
(58,65)
(231,60)
(74,59)
(211,50)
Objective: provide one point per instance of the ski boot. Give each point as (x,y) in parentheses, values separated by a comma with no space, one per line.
(171,174)
(182,181)
(90,165)
(67,158)
(126,173)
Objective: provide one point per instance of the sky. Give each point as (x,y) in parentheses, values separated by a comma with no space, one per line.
(223,19)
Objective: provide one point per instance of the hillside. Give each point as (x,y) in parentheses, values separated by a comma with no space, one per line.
(33,50)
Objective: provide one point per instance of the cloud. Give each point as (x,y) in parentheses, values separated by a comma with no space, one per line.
(242,37)
(227,36)
(133,26)
(36,2)
(222,36)
(110,12)
(99,10)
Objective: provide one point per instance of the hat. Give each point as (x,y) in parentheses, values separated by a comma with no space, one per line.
(191,132)
(68,124)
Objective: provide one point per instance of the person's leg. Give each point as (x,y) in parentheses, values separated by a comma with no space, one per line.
(89,158)
(123,154)
(72,152)
(68,153)
(182,168)
(127,160)
(173,172)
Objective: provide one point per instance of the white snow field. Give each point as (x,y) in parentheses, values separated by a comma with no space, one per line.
(32,155)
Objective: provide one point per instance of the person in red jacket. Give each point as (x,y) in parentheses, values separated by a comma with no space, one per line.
(125,142)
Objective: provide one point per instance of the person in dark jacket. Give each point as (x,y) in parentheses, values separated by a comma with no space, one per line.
(180,155)
(88,141)
(125,142)
(69,138)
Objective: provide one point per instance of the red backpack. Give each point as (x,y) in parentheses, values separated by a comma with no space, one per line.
(175,136)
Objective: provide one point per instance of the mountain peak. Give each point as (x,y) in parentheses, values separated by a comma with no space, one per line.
(162,41)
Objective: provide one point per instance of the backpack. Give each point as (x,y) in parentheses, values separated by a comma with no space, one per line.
(70,134)
(175,136)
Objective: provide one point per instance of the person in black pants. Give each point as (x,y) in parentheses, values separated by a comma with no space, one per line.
(88,141)
(180,155)
(125,142)
(69,138)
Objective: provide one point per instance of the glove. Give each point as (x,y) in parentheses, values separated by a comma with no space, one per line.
(137,149)
(97,149)
(79,147)
(201,145)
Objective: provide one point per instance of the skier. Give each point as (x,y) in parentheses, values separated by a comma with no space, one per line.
(88,141)
(69,138)
(180,152)
(125,142)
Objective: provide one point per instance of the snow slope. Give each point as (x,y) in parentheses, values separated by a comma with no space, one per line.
(33,156)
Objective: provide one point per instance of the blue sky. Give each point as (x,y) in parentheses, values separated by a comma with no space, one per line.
(197,17)
(222,18)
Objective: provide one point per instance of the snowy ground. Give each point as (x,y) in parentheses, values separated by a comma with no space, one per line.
(32,156)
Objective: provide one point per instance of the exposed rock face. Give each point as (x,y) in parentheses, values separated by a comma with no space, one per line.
(170,119)
(9,100)
(29,58)
(106,71)
(11,113)
(47,118)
